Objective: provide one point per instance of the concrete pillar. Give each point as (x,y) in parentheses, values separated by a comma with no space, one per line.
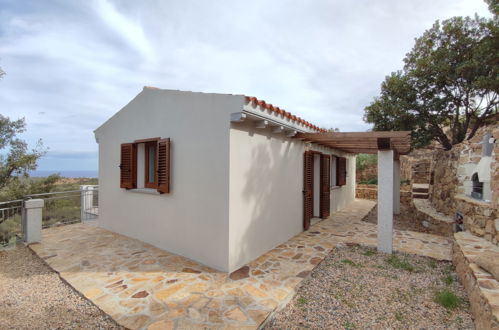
(385,200)
(396,187)
(33,213)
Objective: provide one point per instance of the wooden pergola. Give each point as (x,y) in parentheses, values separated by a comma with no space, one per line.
(362,142)
(388,146)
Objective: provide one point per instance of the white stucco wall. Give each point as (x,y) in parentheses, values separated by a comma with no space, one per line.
(192,220)
(266,183)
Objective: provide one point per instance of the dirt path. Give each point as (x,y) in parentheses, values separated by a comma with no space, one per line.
(357,288)
(32,296)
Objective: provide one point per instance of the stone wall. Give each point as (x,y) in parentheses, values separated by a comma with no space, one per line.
(370,191)
(415,167)
(450,185)
(366,191)
(444,180)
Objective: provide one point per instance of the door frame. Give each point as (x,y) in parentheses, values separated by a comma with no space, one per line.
(308,186)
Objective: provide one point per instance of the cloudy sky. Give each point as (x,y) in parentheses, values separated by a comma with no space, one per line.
(72,64)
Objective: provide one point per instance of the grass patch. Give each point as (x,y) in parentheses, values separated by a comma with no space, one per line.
(301,301)
(448,280)
(349,325)
(398,263)
(447,299)
(370,252)
(448,269)
(432,263)
(348,262)
(399,316)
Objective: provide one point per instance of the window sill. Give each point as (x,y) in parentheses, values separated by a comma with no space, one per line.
(149,191)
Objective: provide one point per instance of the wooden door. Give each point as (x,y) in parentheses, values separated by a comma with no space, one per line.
(325,186)
(308,188)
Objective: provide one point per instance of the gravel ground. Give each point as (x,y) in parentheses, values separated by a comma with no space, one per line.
(403,221)
(32,296)
(357,288)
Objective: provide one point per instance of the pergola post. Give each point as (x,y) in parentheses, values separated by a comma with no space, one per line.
(386,185)
(396,186)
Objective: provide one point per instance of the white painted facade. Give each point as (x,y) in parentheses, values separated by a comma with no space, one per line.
(236,190)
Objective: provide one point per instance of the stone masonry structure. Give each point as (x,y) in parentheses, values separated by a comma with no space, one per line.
(451,172)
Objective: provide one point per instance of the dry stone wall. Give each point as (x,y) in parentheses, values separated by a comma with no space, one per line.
(450,185)
(370,191)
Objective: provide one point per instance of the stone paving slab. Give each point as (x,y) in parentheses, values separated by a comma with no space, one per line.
(143,287)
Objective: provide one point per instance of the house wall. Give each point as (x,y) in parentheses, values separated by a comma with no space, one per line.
(266,183)
(192,220)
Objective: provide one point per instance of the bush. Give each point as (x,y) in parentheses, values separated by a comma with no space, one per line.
(9,228)
(366,160)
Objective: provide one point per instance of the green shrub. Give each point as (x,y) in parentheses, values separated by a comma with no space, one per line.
(9,228)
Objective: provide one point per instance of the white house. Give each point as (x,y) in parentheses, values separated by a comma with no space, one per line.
(217,178)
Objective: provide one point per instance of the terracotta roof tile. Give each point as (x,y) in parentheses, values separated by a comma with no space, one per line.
(279,111)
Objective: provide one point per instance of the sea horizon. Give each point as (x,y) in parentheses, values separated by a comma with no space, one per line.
(65,173)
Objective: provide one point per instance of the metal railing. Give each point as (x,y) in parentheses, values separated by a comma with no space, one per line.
(11,214)
(67,207)
(60,208)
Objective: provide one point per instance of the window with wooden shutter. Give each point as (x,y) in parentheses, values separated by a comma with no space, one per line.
(128,166)
(341,171)
(163,165)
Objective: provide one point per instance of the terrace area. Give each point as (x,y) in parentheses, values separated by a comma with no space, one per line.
(143,287)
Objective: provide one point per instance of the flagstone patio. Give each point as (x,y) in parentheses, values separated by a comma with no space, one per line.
(143,287)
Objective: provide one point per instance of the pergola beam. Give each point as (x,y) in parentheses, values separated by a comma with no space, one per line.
(361,142)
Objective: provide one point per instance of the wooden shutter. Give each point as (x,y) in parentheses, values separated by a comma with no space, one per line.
(163,165)
(341,171)
(308,188)
(325,186)
(128,166)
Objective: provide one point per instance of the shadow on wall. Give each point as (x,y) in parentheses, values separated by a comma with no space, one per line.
(271,197)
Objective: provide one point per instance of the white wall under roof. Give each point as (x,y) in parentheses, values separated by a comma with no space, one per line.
(192,220)
(236,191)
(266,183)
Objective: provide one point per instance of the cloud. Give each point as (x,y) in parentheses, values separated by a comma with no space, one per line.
(71,65)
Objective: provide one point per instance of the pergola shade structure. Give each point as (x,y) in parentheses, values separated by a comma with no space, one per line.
(388,146)
(362,142)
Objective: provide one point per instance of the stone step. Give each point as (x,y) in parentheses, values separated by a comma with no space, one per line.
(438,223)
(420,190)
(420,186)
(420,196)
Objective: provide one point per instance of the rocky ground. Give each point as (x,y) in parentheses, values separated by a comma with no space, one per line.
(357,288)
(403,221)
(32,296)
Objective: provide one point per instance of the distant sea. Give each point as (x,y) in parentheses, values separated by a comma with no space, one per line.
(67,174)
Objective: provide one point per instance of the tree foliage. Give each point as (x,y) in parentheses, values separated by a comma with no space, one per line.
(448,87)
(15,159)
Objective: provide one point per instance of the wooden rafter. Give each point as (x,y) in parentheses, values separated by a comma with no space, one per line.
(361,142)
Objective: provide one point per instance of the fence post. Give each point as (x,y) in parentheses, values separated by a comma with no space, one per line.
(33,220)
(87,201)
